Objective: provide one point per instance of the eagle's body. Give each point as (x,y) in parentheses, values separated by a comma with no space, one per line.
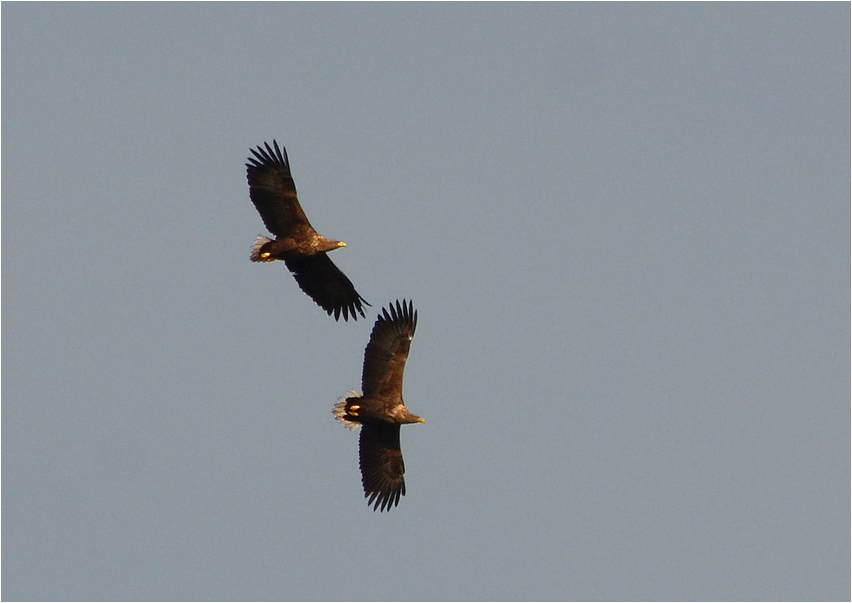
(302,248)
(380,411)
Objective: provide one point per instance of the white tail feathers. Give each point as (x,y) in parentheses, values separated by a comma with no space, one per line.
(339,410)
(259,242)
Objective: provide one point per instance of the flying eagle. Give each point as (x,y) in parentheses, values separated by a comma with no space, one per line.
(301,247)
(380,410)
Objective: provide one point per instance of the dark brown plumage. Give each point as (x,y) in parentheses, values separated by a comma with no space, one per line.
(380,410)
(302,248)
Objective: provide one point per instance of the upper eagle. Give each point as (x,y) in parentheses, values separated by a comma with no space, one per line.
(380,410)
(302,248)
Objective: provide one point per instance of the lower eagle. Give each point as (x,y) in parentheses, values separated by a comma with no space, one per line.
(380,410)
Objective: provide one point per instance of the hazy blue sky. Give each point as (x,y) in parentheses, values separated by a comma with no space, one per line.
(625,228)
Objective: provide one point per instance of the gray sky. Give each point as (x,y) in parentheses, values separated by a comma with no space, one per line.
(625,228)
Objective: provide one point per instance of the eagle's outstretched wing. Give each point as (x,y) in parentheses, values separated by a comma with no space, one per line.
(381,463)
(273,191)
(385,356)
(327,285)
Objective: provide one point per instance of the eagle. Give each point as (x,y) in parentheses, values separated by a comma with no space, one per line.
(380,411)
(301,247)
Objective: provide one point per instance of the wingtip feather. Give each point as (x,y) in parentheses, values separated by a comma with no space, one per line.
(401,313)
